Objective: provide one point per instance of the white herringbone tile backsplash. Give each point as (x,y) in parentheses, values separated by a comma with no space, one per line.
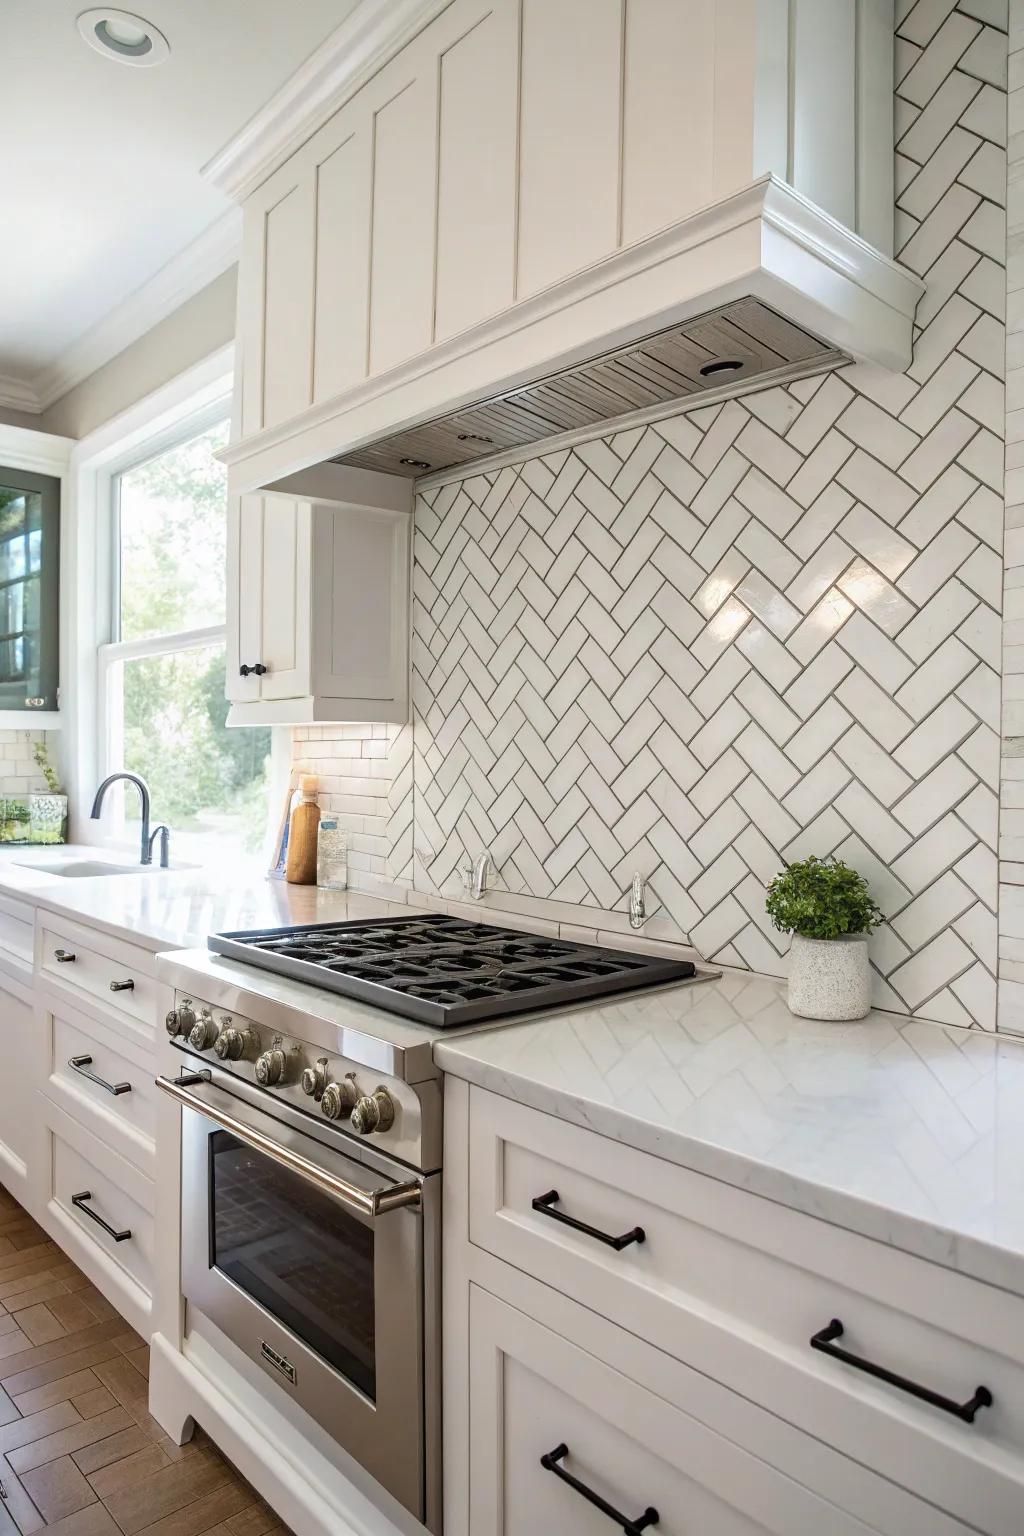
(756,630)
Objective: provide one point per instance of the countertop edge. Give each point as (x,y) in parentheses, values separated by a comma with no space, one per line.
(972,1257)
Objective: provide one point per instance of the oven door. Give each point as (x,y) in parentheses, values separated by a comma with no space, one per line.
(312,1262)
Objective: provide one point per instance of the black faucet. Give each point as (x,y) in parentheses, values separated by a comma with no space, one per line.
(146,856)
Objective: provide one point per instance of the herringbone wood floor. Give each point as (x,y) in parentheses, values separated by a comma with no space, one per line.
(79,1453)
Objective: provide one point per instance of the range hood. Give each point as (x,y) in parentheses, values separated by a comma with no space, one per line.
(761,285)
(732,345)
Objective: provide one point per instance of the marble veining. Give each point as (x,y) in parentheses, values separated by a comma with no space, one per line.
(908,1132)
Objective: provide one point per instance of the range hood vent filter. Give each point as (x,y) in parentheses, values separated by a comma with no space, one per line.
(741,341)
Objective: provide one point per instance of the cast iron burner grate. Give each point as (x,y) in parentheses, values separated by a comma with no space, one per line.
(443,970)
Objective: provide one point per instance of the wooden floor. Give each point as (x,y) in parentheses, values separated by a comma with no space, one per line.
(79,1453)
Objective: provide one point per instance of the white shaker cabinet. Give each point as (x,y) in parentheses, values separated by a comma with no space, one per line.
(667,1330)
(555,1428)
(318,618)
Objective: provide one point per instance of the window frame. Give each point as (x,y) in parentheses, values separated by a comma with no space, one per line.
(113,651)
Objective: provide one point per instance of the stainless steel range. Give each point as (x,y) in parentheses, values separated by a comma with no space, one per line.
(312,1145)
(445,971)
(311,1150)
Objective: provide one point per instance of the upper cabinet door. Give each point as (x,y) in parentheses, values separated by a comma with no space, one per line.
(244,597)
(268,622)
(285,618)
(569,134)
(361,611)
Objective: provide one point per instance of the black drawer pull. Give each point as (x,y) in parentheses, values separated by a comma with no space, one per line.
(80,1064)
(824,1341)
(259,670)
(545,1204)
(80,1201)
(550,1462)
(122,986)
(62,957)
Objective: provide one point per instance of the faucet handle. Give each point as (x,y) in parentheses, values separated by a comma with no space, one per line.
(163,832)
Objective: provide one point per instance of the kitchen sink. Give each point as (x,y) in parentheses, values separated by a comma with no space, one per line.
(91,869)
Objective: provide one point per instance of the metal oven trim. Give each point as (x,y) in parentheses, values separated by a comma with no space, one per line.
(389,1437)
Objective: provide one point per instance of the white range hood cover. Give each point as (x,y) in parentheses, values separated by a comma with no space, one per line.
(766,244)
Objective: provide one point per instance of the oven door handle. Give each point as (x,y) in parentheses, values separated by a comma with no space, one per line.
(365,1202)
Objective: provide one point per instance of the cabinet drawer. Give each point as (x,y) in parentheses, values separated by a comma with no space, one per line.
(73,1161)
(17,930)
(75,1174)
(105,1081)
(93,968)
(536,1390)
(736,1286)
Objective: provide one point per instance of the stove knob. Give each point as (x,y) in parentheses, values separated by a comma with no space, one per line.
(202,1035)
(338,1099)
(180,1020)
(375,1113)
(270,1067)
(231,1044)
(314,1079)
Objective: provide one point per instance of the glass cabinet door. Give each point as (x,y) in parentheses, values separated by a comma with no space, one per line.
(29,590)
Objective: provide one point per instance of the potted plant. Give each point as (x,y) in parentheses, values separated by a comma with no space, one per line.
(829,910)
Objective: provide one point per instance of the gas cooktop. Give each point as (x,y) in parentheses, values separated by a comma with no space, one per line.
(443,970)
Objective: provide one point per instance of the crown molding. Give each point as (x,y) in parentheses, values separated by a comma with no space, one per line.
(212,253)
(18,395)
(365,41)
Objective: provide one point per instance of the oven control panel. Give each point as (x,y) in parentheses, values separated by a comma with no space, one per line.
(359,1100)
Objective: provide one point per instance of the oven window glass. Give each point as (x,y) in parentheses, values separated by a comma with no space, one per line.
(298,1253)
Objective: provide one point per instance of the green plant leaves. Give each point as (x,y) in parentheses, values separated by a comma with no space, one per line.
(821,899)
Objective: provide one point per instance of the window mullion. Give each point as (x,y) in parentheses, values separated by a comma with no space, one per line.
(161,645)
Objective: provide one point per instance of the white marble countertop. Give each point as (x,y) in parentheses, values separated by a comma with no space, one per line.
(175,908)
(909,1133)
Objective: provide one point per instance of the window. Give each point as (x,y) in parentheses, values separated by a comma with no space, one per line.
(162,673)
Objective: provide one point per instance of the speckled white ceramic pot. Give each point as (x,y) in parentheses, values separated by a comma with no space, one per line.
(829,978)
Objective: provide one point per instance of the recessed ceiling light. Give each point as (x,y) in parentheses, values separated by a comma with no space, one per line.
(123,36)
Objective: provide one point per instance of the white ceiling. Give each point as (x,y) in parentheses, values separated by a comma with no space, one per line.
(99,166)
